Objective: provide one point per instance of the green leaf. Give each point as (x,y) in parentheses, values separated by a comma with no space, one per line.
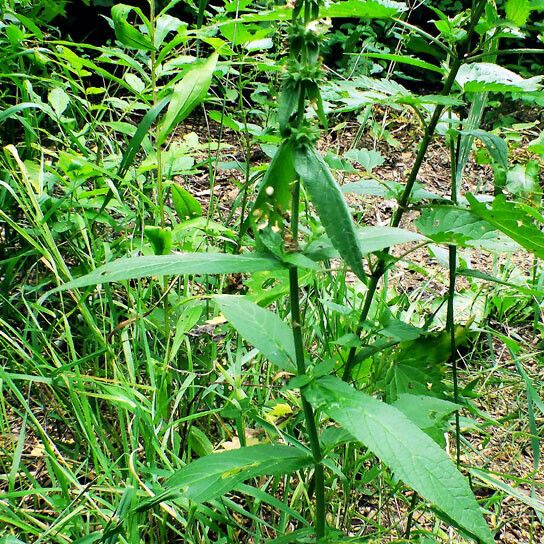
(518,11)
(513,220)
(367,9)
(261,328)
(199,442)
(127,34)
(173,265)
(136,141)
(519,494)
(523,179)
(160,239)
(495,145)
(370,240)
(451,225)
(400,444)
(477,274)
(188,94)
(59,100)
(214,475)
(387,189)
(537,145)
(480,77)
(274,193)
(186,205)
(331,207)
(430,414)
(368,159)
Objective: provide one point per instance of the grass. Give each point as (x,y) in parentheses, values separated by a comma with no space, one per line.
(108,390)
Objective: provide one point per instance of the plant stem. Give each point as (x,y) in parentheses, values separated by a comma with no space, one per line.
(309,415)
(380,267)
(455,152)
(158,150)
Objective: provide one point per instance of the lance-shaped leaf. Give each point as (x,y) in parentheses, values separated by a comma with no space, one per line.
(126,33)
(404,448)
(260,327)
(188,94)
(516,222)
(216,474)
(331,207)
(173,265)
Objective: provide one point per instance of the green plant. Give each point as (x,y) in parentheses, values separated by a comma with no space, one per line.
(193,413)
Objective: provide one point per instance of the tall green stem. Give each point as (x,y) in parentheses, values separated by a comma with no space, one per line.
(430,129)
(158,150)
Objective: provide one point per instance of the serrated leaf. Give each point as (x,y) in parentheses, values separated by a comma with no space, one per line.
(430,414)
(495,145)
(186,205)
(513,221)
(214,475)
(127,34)
(451,225)
(187,95)
(173,265)
(331,207)
(414,457)
(368,159)
(480,77)
(370,240)
(518,11)
(368,9)
(387,189)
(261,328)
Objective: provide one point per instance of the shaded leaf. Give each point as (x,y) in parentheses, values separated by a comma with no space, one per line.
(400,444)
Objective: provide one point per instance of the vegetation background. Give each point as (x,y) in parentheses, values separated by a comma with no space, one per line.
(271,272)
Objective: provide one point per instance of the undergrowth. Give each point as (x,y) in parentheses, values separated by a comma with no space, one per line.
(205,337)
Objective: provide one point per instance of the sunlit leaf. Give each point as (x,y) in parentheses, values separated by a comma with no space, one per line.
(187,95)
(368,9)
(173,265)
(262,328)
(331,207)
(513,220)
(214,475)
(481,77)
(414,457)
